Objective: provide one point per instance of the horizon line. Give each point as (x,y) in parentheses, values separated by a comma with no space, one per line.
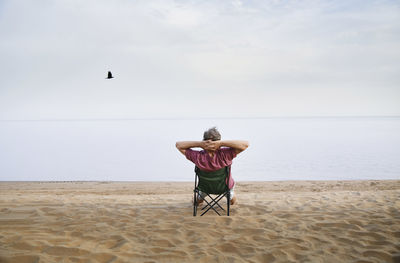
(176,181)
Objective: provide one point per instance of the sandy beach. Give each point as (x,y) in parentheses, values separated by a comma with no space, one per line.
(307,221)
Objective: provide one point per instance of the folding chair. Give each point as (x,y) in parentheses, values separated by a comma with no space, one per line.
(211,183)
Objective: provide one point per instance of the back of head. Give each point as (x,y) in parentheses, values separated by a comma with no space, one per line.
(212,134)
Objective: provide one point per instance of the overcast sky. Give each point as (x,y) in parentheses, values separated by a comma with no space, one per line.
(190,59)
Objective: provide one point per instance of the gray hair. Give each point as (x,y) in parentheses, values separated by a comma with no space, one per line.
(212,134)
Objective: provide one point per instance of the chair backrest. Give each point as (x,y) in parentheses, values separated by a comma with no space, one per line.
(214,182)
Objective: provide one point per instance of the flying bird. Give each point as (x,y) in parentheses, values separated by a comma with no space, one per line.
(109,76)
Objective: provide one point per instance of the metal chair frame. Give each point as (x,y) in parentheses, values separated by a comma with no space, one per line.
(214,200)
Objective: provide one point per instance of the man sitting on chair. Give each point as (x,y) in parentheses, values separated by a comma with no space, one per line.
(216,154)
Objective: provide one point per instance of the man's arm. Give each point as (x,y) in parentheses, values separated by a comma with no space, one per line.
(238,145)
(183,146)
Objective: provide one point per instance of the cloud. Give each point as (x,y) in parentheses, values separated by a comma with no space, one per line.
(171,55)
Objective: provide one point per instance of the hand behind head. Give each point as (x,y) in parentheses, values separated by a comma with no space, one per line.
(211,146)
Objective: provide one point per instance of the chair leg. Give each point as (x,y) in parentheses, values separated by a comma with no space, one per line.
(212,203)
(194,203)
(228,203)
(215,201)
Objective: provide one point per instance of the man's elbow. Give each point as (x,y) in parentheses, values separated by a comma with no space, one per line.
(246,145)
(178,145)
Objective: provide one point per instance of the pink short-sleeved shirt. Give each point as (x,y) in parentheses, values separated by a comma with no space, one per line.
(222,157)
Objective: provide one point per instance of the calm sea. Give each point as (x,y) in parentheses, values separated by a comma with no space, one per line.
(144,150)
